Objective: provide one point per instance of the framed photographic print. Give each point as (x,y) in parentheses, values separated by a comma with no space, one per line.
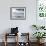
(17,13)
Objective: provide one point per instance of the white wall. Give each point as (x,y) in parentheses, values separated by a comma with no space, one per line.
(24,25)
